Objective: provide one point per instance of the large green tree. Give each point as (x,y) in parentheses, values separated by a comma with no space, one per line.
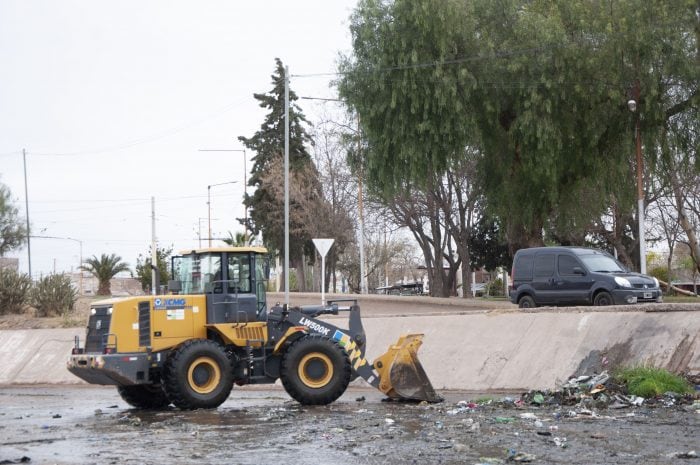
(267,208)
(539,87)
(13,232)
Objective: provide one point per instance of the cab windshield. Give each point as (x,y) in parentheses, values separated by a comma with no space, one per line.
(197,272)
(599,263)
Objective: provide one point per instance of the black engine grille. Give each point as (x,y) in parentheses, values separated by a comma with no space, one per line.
(98,329)
(144,324)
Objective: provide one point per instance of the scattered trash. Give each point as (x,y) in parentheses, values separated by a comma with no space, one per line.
(544,433)
(389,421)
(459,447)
(520,457)
(683,455)
(24,459)
(360,399)
(462,407)
(504,419)
(559,442)
(528,416)
(489,461)
(57,416)
(439,424)
(538,399)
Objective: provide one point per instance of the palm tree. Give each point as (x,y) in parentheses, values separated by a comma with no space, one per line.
(104,269)
(239,240)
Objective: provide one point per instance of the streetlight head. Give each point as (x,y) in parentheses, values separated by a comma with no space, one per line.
(632,105)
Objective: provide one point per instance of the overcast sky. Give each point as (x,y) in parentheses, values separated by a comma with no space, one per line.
(113,100)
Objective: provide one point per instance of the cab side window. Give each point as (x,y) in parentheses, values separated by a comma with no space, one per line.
(566,265)
(544,265)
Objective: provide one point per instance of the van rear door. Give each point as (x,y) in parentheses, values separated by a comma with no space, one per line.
(543,279)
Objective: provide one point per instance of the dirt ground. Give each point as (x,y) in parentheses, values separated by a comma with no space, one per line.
(92,425)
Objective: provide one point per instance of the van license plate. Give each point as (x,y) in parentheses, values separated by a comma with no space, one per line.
(647,295)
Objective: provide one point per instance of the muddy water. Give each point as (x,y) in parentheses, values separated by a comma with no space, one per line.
(92,425)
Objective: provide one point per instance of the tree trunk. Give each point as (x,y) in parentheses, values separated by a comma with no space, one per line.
(104,288)
(687,226)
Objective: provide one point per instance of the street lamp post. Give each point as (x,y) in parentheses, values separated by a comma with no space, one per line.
(245,186)
(209,203)
(632,104)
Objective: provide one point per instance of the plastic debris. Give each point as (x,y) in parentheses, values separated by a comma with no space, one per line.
(559,442)
(521,457)
(504,419)
(683,455)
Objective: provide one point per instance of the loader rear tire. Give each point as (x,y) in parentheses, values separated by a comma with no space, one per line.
(198,374)
(315,370)
(144,396)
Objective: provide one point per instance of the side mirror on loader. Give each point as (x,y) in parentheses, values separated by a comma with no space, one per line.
(174,286)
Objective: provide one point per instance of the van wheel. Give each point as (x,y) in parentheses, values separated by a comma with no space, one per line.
(602,298)
(526,301)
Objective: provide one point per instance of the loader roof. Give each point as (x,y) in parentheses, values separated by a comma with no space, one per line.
(261,250)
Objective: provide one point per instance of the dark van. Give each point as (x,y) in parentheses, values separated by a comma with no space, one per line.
(576,276)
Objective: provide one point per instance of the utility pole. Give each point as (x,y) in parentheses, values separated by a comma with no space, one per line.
(633,105)
(26,207)
(154,251)
(286,185)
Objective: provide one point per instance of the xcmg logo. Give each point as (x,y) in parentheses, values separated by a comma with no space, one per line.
(169,303)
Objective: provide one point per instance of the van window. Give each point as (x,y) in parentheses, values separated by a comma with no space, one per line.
(523,268)
(566,264)
(544,265)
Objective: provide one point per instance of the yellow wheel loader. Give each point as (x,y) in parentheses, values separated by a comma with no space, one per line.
(214,329)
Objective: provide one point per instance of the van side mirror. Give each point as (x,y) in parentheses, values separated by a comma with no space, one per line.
(579,271)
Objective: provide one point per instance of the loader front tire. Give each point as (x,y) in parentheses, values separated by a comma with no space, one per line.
(315,370)
(198,374)
(144,396)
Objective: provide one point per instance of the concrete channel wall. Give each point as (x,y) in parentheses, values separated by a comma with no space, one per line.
(476,350)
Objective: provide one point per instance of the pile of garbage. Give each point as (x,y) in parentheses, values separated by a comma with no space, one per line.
(601,391)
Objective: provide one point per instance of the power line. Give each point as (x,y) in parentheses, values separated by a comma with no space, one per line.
(147,139)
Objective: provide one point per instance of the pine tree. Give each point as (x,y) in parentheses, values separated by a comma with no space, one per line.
(265,205)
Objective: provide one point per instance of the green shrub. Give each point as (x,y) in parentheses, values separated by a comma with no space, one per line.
(54,295)
(495,288)
(660,273)
(650,381)
(14,291)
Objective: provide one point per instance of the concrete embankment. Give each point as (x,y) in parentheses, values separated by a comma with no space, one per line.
(475,350)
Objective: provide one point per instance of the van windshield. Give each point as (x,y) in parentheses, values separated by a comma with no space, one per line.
(602,263)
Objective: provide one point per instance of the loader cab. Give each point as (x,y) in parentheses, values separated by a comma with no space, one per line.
(232,278)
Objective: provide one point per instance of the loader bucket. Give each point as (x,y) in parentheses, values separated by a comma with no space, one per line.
(401,375)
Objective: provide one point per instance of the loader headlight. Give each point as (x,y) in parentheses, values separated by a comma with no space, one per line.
(622,282)
(93,311)
(109,311)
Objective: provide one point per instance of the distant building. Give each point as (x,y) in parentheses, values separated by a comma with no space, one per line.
(121,286)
